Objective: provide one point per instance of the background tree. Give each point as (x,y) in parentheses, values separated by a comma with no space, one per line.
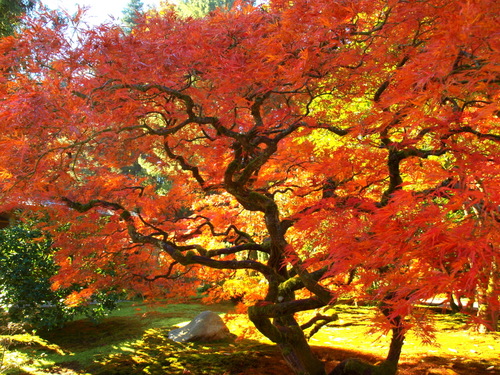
(353,145)
(26,266)
(130,14)
(11,12)
(200,8)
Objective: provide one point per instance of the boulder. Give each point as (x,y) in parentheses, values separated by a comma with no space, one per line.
(207,326)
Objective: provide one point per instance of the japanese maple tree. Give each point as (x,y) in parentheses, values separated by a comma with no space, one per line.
(318,150)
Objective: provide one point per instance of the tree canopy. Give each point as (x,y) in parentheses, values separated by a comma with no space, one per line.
(314,151)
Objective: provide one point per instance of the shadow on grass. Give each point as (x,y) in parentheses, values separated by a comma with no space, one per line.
(156,354)
(136,342)
(128,323)
(82,334)
(428,365)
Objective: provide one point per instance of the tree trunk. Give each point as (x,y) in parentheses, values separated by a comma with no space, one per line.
(298,355)
(488,298)
(469,304)
(354,366)
(455,308)
(289,337)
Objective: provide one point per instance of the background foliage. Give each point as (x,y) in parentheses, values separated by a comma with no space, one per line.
(26,265)
(10,13)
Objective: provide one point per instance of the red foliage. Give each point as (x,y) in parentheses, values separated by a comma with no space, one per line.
(349,147)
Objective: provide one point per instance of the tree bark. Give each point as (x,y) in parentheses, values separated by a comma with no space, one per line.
(488,298)
(298,355)
(289,337)
(455,308)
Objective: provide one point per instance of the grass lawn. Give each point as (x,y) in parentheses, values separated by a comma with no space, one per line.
(133,340)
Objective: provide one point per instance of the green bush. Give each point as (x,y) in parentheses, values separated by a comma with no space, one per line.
(26,266)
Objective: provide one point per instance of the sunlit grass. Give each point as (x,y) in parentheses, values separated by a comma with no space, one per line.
(134,340)
(80,342)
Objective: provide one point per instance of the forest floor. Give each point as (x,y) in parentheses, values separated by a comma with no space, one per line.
(133,340)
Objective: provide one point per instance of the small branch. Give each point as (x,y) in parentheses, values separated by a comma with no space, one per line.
(317,322)
(171,249)
(380,91)
(379,26)
(336,130)
(185,165)
(468,129)
(80,207)
(393,163)
(208,223)
(236,249)
(167,275)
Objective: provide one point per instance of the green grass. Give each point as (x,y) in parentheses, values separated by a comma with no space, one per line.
(134,340)
(81,341)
